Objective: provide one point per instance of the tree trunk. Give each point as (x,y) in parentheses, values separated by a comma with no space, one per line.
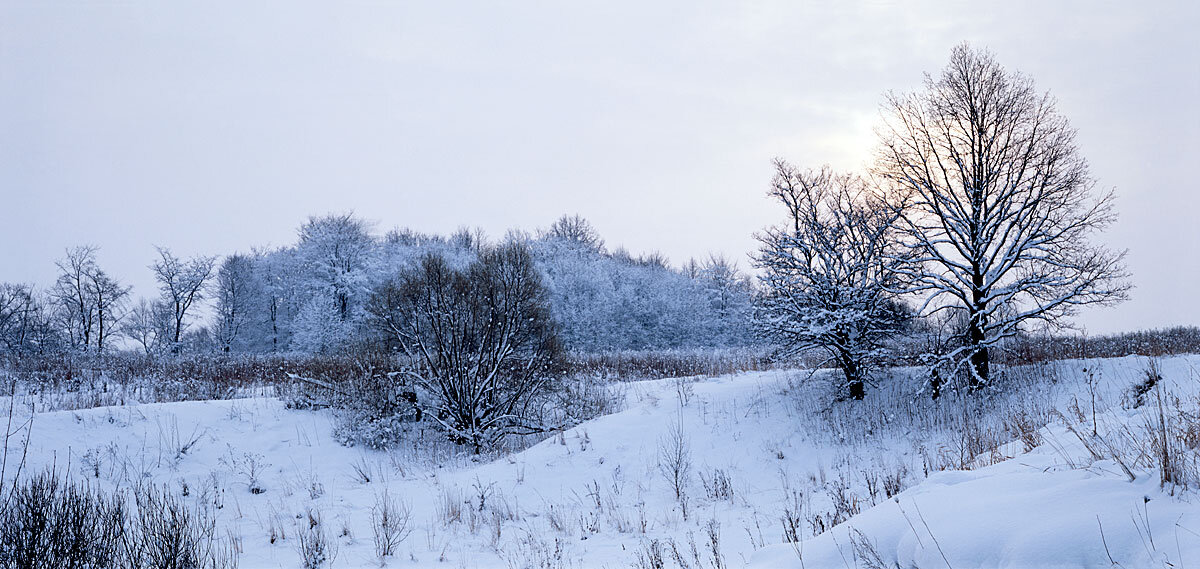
(175,347)
(979,361)
(980,366)
(854,381)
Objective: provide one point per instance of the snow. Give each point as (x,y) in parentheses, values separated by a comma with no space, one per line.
(1020,513)
(579,499)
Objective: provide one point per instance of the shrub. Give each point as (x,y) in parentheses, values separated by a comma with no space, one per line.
(165,533)
(390,523)
(479,341)
(1136,396)
(316,550)
(48,522)
(717,485)
(675,460)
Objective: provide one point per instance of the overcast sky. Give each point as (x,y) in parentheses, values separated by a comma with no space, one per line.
(211,128)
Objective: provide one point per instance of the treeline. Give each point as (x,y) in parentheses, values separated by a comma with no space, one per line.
(314,297)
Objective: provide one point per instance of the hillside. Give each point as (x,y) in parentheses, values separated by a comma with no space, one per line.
(889,480)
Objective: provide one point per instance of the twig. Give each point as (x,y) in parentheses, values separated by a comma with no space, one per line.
(931,536)
(8,433)
(1105,542)
(910,524)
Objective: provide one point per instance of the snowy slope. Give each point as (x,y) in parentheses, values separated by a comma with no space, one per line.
(1022,513)
(596,496)
(1055,506)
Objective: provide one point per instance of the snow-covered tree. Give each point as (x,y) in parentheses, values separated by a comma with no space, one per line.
(729,295)
(617,301)
(278,285)
(318,327)
(997,204)
(235,291)
(335,253)
(829,270)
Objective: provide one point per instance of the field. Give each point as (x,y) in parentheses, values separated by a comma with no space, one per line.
(1063,464)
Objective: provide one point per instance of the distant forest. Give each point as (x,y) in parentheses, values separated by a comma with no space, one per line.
(313,297)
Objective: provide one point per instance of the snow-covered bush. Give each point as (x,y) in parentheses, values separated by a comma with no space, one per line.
(573,399)
(375,406)
(479,341)
(378,408)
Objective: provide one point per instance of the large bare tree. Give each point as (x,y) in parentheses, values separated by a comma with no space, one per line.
(831,270)
(998,203)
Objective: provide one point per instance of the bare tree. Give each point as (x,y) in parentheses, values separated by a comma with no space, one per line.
(998,205)
(149,324)
(15,301)
(830,270)
(181,284)
(139,325)
(77,312)
(480,339)
(108,300)
(576,230)
(89,300)
(24,320)
(675,459)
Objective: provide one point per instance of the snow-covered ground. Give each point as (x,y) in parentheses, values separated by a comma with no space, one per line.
(769,455)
